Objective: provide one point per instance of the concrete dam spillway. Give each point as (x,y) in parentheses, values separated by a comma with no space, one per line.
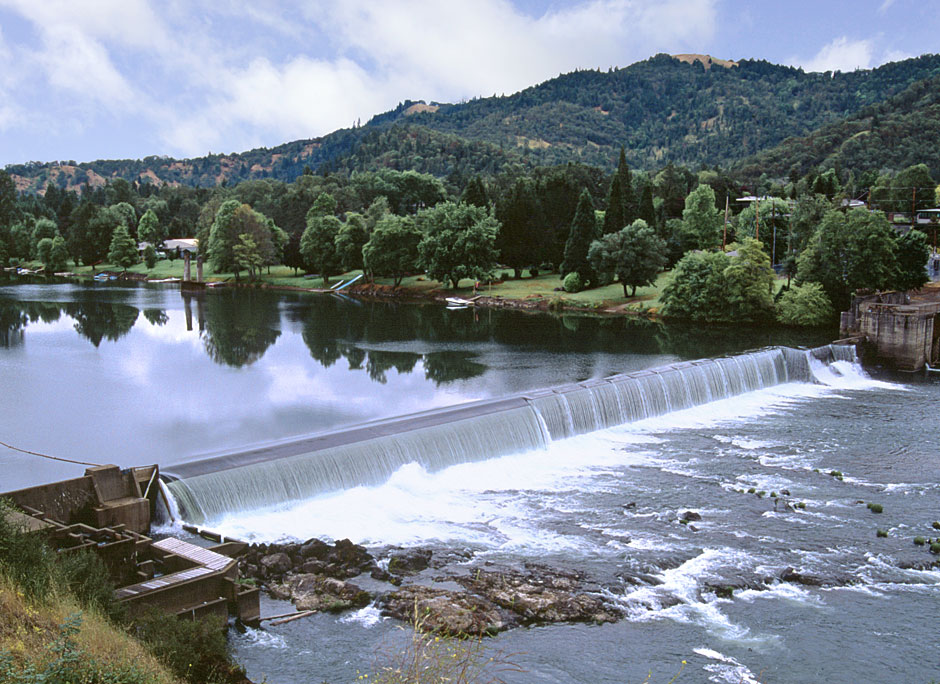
(368,454)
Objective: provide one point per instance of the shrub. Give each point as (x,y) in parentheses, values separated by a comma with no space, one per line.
(919,541)
(801,505)
(935,547)
(936,525)
(805,305)
(25,558)
(87,578)
(195,650)
(882,533)
(150,256)
(572,282)
(875,508)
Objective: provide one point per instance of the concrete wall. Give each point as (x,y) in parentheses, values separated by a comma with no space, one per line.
(902,336)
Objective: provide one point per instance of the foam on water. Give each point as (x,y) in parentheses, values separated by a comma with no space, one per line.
(727,669)
(368,617)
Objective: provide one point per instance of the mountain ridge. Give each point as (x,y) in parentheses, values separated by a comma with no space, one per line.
(666,109)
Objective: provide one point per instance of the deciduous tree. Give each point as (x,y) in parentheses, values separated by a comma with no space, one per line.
(392,249)
(635,255)
(459,242)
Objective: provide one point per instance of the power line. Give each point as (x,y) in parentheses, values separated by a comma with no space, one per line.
(52,458)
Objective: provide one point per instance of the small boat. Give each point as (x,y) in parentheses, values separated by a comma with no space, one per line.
(457,301)
(101,277)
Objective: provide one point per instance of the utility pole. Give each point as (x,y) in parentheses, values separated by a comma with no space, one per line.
(757,218)
(724,235)
(773,218)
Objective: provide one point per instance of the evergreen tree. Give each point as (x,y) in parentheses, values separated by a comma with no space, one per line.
(520,237)
(123,249)
(646,211)
(475,193)
(622,206)
(582,233)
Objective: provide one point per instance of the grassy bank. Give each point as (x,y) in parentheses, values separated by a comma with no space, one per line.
(59,622)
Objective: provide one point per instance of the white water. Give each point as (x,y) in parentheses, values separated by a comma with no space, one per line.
(498,503)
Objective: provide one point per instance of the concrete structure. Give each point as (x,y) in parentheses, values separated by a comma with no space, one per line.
(104,497)
(106,512)
(898,332)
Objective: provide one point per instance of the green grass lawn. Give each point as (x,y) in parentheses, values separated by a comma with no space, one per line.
(542,287)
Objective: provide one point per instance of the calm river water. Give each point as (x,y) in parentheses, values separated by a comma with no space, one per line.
(134,375)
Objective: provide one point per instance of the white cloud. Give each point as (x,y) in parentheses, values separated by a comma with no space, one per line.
(885,6)
(895,56)
(229,75)
(841,54)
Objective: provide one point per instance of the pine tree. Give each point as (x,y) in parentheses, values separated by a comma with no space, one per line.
(123,249)
(583,232)
(622,206)
(647,211)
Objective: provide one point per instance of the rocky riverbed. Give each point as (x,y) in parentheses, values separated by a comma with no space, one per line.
(440,589)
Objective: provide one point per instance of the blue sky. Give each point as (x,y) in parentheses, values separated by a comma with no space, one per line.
(129,78)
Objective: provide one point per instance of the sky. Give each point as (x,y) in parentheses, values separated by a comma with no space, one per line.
(110,79)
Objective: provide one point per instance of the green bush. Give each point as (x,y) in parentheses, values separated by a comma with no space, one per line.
(194,650)
(87,578)
(875,508)
(805,305)
(935,547)
(936,525)
(572,282)
(919,541)
(882,533)
(150,256)
(25,558)
(68,664)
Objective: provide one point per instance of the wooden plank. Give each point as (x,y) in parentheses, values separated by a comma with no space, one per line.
(196,554)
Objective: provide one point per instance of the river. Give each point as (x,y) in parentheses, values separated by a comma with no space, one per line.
(134,375)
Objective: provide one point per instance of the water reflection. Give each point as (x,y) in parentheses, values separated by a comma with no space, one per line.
(239,326)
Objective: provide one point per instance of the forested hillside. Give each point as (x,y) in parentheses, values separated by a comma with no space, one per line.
(901,132)
(663,111)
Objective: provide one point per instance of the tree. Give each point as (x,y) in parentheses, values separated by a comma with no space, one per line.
(44,251)
(475,193)
(582,233)
(749,283)
(806,215)
(150,230)
(123,249)
(805,305)
(150,256)
(58,255)
(622,206)
(646,210)
(392,249)
(8,210)
(850,251)
(702,219)
(247,255)
(635,255)
(350,239)
(124,213)
(44,228)
(459,242)
(521,219)
(223,236)
(912,254)
(318,245)
(773,225)
(698,288)
(913,188)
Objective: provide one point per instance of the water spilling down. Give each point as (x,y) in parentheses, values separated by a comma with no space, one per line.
(368,455)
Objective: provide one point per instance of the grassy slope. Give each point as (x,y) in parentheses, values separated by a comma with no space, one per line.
(29,628)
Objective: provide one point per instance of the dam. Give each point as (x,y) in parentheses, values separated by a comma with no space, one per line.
(368,454)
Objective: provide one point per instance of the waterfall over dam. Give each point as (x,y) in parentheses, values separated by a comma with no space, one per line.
(368,454)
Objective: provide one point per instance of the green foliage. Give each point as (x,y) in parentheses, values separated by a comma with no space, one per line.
(635,255)
(806,215)
(194,650)
(702,219)
(475,193)
(69,664)
(919,541)
(913,189)
(222,237)
(772,224)
(913,251)
(43,228)
(572,282)
(749,283)
(318,245)
(25,558)
(247,255)
(582,233)
(875,507)
(150,230)
(459,242)
(698,289)
(622,206)
(123,249)
(849,251)
(882,533)
(350,239)
(935,547)
(44,251)
(150,256)
(520,236)
(392,250)
(805,305)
